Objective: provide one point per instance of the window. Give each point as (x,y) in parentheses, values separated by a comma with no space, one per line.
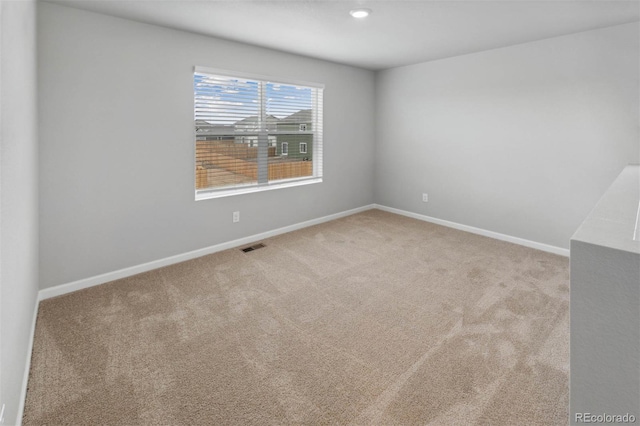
(241,122)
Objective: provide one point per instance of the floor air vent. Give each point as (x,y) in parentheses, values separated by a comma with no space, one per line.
(252,248)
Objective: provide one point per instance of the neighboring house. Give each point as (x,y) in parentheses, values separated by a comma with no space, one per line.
(291,137)
(295,137)
(206,131)
(250,126)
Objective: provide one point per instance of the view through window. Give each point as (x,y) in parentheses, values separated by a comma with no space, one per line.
(255,133)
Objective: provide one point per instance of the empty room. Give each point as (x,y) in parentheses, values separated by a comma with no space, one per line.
(350,212)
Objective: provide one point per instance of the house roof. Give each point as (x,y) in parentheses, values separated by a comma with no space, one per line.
(251,122)
(254,119)
(302,116)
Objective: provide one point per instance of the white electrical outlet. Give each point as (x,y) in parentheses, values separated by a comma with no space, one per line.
(236,217)
(425,198)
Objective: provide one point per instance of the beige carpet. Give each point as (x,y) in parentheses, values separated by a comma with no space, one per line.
(370,319)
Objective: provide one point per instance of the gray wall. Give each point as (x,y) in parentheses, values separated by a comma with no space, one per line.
(521,140)
(18,196)
(117,148)
(605,304)
(605,341)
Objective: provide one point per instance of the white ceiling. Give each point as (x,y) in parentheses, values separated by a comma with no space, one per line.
(397,32)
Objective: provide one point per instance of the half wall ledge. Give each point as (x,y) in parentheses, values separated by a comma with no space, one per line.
(605,305)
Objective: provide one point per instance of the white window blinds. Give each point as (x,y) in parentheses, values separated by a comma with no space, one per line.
(254,133)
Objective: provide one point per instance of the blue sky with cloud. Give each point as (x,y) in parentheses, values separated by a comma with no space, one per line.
(226,100)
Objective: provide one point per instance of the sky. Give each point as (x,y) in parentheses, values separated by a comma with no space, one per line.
(225,100)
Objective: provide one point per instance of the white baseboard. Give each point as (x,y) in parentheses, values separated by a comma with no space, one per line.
(479,231)
(27,365)
(133,270)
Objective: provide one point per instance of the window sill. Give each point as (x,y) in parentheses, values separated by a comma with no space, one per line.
(205,194)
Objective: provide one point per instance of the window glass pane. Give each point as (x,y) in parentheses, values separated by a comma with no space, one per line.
(292,106)
(227,125)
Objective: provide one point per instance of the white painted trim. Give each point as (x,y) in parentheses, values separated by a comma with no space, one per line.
(27,365)
(133,270)
(479,231)
(207,194)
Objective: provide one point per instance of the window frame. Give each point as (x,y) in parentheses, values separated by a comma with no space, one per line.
(317,120)
(300,147)
(284,149)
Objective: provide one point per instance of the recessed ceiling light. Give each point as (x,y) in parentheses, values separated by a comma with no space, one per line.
(360,13)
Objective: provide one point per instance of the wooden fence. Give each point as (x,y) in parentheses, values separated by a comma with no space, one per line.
(221,163)
(290,169)
(235,150)
(229,170)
